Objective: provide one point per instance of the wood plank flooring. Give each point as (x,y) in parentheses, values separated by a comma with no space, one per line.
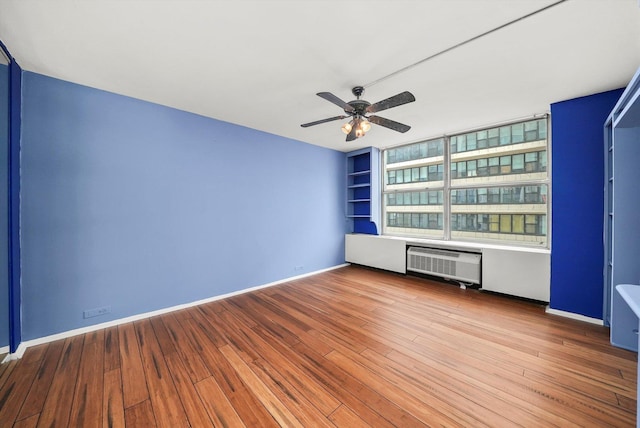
(351,347)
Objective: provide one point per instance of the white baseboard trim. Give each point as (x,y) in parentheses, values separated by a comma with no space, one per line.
(574,316)
(65,334)
(14,356)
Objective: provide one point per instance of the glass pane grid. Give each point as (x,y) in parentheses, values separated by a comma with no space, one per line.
(515,210)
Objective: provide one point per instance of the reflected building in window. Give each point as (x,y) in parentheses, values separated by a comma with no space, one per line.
(489,185)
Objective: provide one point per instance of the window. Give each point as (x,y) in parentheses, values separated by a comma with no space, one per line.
(491,183)
(414,189)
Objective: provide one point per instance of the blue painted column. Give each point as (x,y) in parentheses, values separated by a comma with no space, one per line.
(577,250)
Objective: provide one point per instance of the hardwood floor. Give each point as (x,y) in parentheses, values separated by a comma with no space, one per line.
(350,347)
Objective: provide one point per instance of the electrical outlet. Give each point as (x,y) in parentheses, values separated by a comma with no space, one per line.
(298,268)
(90,313)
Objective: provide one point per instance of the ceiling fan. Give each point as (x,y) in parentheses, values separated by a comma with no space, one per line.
(358,110)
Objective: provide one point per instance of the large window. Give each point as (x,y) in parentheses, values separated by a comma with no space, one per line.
(486,185)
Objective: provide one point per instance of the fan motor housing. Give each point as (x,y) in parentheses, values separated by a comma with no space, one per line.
(359,106)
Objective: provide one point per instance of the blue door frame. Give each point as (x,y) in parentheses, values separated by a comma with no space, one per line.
(13,167)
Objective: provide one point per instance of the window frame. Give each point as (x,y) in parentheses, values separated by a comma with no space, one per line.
(523,169)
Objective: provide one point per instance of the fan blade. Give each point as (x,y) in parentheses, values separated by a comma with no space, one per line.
(388,123)
(337,101)
(317,122)
(394,101)
(352,135)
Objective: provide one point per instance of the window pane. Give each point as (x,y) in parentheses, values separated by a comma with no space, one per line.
(517,133)
(531,131)
(505,135)
(531,162)
(505,223)
(423,173)
(391,177)
(415,174)
(472,142)
(391,156)
(494,166)
(406,198)
(436,148)
(462,143)
(542,128)
(471,168)
(482,196)
(415,220)
(482,167)
(415,198)
(493,137)
(517,163)
(424,221)
(433,172)
(494,223)
(503,200)
(518,223)
(505,165)
(453,144)
(471,196)
(494,195)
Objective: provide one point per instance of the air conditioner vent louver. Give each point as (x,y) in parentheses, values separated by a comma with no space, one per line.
(447,264)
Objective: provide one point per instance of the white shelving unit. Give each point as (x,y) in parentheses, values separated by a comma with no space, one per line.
(621,214)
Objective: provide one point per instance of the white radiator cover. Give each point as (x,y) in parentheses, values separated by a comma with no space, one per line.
(522,272)
(444,263)
(377,252)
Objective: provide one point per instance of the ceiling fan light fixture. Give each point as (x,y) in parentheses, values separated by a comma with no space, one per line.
(365,125)
(347,127)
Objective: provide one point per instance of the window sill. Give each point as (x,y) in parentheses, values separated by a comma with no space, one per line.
(466,246)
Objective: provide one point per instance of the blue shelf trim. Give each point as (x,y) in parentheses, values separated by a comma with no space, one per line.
(15,297)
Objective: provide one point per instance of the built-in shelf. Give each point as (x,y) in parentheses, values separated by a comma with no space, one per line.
(363,208)
(353,174)
(622,236)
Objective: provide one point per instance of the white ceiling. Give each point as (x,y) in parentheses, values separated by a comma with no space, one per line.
(260,63)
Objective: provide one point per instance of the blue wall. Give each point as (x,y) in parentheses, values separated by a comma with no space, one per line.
(4,205)
(140,207)
(577,253)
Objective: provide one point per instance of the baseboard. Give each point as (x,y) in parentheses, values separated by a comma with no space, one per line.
(70,333)
(4,350)
(13,356)
(574,316)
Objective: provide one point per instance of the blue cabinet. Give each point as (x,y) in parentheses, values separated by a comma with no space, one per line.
(622,213)
(363,191)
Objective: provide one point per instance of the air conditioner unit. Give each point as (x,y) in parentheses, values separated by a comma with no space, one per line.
(447,264)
